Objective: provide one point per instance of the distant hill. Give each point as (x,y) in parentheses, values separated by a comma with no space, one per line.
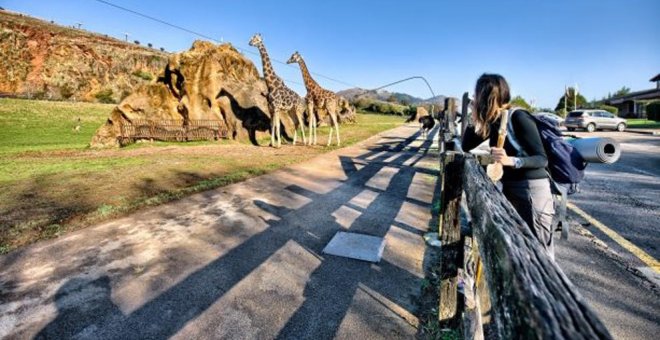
(382,95)
(39,59)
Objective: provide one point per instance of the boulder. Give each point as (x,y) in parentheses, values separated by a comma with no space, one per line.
(207,82)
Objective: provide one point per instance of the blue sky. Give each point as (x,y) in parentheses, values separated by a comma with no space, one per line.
(539,46)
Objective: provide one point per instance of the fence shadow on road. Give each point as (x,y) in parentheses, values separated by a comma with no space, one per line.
(331,288)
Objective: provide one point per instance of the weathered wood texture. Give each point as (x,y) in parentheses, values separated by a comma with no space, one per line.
(448,125)
(451,238)
(531,298)
(465,115)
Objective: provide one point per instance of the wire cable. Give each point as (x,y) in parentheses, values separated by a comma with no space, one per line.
(146,16)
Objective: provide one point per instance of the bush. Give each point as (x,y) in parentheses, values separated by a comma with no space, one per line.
(105,96)
(610,109)
(67,91)
(653,110)
(143,74)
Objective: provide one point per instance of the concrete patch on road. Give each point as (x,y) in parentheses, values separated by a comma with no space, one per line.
(356,246)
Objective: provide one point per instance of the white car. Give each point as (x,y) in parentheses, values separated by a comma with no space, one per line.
(555,118)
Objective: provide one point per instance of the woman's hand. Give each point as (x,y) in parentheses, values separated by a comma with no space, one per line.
(499,156)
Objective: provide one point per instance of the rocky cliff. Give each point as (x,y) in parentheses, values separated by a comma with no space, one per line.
(43,60)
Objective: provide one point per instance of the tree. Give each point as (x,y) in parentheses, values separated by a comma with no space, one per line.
(519,101)
(392,99)
(150,45)
(572,103)
(622,91)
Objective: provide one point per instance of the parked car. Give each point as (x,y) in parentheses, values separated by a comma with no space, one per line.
(559,121)
(592,120)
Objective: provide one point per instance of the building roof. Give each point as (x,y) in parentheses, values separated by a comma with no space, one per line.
(639,95)
(656,78)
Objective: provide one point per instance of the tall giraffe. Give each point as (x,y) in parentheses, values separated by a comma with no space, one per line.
(324,101)
(281,99)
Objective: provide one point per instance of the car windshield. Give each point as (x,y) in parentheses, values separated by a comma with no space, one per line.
(575,114)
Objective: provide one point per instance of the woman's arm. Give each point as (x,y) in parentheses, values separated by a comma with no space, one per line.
(529,139)
(471,139)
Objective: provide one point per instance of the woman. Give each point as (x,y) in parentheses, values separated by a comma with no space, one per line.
(525,181)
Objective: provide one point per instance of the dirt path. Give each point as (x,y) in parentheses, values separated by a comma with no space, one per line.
(243,261)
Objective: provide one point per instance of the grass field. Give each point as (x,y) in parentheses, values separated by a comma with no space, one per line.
(643,124)
(51,182)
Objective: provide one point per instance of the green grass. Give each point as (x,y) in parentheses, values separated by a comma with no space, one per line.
(637,123)
(51,182)
(27,125)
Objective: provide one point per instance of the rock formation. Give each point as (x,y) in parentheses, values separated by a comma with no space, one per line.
(208,82)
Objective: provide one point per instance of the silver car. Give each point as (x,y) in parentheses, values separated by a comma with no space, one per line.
(551,116)
(592,120)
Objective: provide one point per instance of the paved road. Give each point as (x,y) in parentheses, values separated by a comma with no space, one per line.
(625,197)
(244,261)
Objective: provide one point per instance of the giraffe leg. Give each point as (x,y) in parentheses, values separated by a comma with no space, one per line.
(279,130)
(332,111)
(272,130)
(311,122)
(295,131)
(301,123)
(316,131)
(336,123)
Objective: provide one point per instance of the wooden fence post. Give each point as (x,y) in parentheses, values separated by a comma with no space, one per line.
(450,306)
(465,116)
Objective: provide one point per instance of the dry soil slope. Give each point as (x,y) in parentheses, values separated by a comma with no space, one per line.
(39,59)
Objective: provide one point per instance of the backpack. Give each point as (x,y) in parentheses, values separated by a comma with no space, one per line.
(565,164)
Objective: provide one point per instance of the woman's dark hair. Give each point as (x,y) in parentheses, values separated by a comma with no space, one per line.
(490,96)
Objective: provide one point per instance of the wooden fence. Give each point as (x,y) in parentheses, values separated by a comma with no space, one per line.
(171,130)
(513,288)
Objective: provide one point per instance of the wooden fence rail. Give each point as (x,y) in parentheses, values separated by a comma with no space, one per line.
(526,294)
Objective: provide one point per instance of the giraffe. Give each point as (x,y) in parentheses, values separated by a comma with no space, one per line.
(281,99)
(324,101)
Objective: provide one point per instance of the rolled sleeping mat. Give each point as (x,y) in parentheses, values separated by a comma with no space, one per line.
(598,149)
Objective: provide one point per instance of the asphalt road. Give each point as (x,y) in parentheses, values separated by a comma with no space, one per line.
(625,197)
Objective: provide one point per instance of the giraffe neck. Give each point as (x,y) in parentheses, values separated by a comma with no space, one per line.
(310,83)
(269,74)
